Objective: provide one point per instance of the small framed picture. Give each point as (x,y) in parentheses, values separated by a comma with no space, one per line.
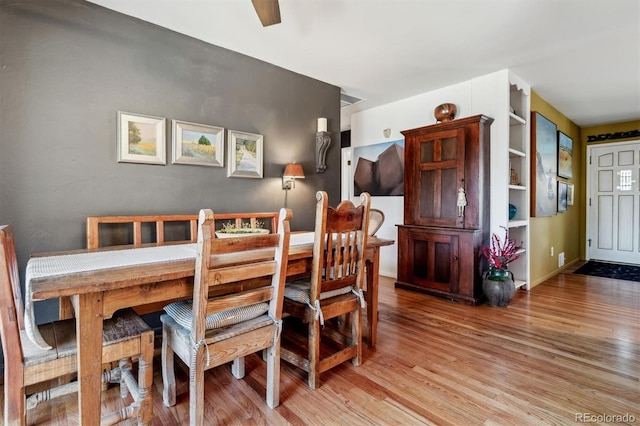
(197,144)
(245,155)
(141,139)
(569,194)
(562,197)
(565,156)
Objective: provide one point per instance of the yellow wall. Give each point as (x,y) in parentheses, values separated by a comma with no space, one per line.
(562,231)
(565,232)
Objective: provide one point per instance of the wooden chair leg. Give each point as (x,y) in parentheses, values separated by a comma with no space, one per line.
(196,391)
(14,404)
(237,368)
(273,375)
(356,335)
(314,354)
(168,373)
(125,366)
(145,378)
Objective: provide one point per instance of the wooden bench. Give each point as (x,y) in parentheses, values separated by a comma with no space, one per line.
(108,231)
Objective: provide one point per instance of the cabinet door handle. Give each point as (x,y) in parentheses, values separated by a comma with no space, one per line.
(455,257)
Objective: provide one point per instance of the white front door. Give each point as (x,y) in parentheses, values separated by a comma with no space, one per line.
(613,204)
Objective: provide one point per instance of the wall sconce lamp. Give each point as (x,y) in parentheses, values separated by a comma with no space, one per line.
(292,172)
(323,140)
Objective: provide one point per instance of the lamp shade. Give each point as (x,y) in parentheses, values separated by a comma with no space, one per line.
(293,170)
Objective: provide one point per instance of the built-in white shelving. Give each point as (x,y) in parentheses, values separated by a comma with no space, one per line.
(519,184)
(506,98)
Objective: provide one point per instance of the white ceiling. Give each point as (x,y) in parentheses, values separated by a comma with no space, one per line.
(581,56)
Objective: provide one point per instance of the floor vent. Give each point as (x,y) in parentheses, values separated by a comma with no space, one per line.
(346,100)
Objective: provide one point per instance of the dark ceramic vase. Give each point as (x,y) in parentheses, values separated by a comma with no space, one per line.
(498,287)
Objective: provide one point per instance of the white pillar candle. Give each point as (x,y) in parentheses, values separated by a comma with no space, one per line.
(322,124)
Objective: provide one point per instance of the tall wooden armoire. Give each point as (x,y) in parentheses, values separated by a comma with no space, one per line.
(446,209)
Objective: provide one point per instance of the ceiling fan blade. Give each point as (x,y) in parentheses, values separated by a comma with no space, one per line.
(268,11)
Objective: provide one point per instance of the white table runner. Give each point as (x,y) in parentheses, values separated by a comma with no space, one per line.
(51,266)
(301,238)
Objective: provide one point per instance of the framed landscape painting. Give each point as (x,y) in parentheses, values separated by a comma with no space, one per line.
(565,156)
(197,144)
(245,155)
(544,166)
(141,139)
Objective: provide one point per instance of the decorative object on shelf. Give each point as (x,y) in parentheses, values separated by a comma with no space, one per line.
(323,140)
(292,172)
(514,179)
(245,155)
(497,282)
(565,156)
(141,139)
(445,112)
(242,229)
(512,211)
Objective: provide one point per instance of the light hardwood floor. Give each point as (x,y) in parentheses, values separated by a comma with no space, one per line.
(568,348)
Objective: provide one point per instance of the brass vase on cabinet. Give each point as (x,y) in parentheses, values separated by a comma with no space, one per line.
(445,112)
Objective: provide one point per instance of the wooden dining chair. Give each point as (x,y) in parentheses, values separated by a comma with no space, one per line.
(125,335)
(236,310)
(376,218)
(333,291)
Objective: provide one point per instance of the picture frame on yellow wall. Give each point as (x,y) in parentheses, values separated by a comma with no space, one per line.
(544,166)
(562,197)
(569,194)
(565,156)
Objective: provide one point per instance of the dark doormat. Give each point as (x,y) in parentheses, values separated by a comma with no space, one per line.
(610,270)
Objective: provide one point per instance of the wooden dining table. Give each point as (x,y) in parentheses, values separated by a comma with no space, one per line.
(98,293)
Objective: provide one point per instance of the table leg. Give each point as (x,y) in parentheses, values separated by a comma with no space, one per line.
(371,296)
(89,333)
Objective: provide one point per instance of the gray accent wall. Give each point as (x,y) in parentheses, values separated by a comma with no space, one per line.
(68,66)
